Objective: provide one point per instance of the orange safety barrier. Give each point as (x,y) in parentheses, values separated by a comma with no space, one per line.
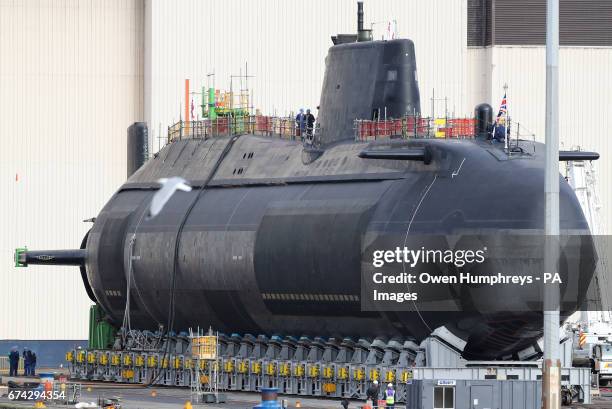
(365,130)
(464,127)
(447,131)
(381,128)
(217,126)
(422,126)
(399,126)
(411,126)
(370,130)
(262,124)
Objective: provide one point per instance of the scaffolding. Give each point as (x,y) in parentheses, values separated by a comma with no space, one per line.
(205,366)
(217,103)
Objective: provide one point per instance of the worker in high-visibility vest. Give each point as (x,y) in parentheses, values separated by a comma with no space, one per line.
(390,396)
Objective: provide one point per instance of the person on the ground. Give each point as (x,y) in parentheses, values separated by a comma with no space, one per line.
(26,362)
(373,393)
(33,364)
(310,121)
(13,361)
(390,396)
(300,123)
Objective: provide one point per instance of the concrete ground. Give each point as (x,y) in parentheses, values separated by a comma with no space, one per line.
(161,398)
(176,398)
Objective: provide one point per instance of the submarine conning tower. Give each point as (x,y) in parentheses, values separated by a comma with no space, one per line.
(366,79)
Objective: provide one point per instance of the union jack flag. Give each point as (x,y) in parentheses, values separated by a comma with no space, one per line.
(503,108)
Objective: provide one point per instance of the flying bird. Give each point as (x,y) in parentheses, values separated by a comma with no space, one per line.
(169,186)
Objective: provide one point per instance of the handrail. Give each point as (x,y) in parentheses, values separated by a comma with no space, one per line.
(5,365)
(284,127)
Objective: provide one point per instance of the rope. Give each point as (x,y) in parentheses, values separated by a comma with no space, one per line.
(175,266)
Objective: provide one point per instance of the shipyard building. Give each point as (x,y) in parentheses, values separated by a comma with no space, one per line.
(74,75)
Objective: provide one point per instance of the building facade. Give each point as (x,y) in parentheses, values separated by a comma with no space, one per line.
(71,81)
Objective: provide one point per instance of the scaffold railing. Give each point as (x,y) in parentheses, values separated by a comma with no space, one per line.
(205,366)
(286,128)
(283,127)
(414,126)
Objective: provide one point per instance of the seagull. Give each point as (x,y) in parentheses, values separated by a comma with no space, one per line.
(169,186)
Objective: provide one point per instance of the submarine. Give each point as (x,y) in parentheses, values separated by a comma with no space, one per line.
(276,234)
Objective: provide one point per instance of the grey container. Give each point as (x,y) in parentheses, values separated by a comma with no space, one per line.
(462,394)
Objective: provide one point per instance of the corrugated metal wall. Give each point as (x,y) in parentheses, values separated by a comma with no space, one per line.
(285,43)
(479,23)
(584,102)
(70,83)
(581,22)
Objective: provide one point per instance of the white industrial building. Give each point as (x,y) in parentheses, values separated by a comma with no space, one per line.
(75,74)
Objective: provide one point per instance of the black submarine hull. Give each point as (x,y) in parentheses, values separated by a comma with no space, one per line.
(275,236)
(285,254)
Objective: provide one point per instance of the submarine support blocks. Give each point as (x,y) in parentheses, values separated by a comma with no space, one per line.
(316,367)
